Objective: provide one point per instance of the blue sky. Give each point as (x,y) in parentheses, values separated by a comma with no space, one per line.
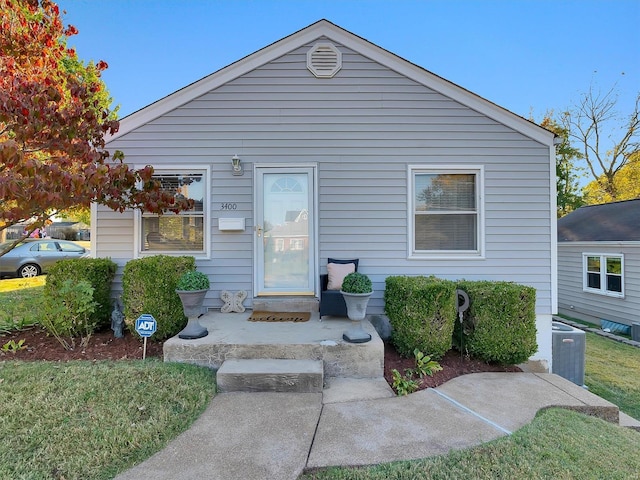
(527,56)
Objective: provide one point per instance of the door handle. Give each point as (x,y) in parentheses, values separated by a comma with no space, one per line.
(259,230)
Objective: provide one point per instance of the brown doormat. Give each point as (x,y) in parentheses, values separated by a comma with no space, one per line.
(279,317)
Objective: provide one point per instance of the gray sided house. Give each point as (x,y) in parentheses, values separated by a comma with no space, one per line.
(599,263)
(342,149)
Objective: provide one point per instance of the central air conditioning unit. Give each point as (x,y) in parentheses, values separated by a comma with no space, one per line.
(568,352)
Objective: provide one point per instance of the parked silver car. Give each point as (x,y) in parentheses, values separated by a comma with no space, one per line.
(34,257)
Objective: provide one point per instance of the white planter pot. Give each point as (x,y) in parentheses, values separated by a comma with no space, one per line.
(356,311)
(192,301)
(356,304)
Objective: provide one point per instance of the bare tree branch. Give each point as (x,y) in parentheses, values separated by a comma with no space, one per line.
(604,155)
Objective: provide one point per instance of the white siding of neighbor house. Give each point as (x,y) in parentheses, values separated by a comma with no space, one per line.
(592,307)
(362,128)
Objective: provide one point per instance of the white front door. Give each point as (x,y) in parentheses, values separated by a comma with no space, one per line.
(285,237)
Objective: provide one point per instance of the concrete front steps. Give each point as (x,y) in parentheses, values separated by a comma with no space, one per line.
(270,375)
(232,337)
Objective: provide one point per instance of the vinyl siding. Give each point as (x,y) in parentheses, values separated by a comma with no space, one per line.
(592,307)
(362,129)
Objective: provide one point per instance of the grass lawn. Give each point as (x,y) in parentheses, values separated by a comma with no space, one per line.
(558,444)
(612,371)
(20,302)
(81,420)
(92,420)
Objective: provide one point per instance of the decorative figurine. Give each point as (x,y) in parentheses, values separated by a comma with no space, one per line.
(233,302)
(117,320)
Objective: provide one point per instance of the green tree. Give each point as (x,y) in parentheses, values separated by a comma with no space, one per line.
(54,117)
(79,214)
(568,192)
(606,139)
(626,184)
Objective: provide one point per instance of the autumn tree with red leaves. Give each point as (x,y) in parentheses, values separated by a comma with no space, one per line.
(53,122)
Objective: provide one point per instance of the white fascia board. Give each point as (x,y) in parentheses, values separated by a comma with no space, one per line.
(553,213)
(596,244)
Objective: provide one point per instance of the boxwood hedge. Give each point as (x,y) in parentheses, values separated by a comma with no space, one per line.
(422,312)
(149,286)
(500,325)
(99,272)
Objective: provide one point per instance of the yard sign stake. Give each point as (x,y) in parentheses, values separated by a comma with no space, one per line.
(145,326)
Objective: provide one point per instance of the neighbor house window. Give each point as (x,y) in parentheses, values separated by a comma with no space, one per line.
(296,244)
(177,232)
(445,212)
(603,274)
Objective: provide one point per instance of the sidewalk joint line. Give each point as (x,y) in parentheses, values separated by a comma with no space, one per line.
(475,414)
(313,438)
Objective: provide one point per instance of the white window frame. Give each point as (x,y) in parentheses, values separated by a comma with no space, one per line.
(603,274)
(478,171)
(206,216)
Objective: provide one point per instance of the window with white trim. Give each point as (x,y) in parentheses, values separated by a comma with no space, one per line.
(603,274)
(182,232)
(445,207)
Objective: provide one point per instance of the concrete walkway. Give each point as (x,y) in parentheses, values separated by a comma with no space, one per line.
(275,436)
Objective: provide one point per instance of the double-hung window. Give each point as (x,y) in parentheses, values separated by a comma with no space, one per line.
(183,232)
(603,274)
(445,207)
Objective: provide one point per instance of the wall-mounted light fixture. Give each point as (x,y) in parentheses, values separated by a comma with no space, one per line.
(237,166)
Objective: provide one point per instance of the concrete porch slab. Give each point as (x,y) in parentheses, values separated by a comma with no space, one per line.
(232,336)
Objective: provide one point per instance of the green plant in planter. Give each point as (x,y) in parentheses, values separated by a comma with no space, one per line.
(193,280)
(192,287)
(356,290)
(357,283)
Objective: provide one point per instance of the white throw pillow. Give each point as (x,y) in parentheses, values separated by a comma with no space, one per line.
(337,272)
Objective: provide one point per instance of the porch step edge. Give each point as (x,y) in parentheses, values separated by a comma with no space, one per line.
(286,304)
(270,375)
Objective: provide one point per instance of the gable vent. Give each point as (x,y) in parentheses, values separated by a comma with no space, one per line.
(324,60)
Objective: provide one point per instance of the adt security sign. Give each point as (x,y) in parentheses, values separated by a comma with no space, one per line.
(146,325)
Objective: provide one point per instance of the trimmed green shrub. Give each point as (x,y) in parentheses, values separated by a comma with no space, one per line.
(193,281)
(149,286)
(99,272)
(356,282)
(70,313)
(422,312)
(500,325)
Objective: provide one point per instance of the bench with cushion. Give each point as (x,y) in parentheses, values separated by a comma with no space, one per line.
(331,300)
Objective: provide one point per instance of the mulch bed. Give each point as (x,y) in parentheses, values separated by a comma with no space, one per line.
(453,365)
(103,346)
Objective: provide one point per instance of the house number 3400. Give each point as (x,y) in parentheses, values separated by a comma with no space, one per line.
(228,206)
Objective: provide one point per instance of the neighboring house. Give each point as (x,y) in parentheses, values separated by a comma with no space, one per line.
(599,263)
(13,232)
(69,230)
(61,230)
(341,149)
